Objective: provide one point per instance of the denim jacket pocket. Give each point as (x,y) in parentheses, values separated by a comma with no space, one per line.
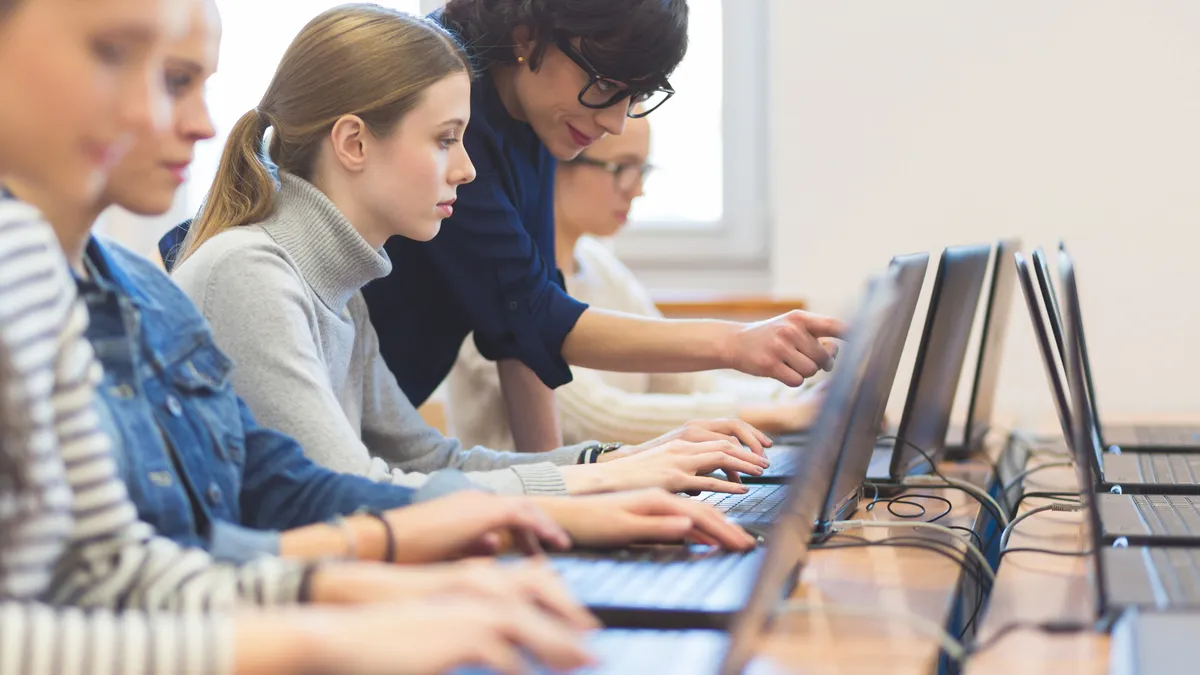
(202,378)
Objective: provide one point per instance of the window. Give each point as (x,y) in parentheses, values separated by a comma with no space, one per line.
(706,202)
(255,36)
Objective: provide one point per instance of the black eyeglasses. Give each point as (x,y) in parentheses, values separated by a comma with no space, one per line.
(601,92)
(625,175)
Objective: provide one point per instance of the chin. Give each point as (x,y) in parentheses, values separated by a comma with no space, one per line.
(427,233)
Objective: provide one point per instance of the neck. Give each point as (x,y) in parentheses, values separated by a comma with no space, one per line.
(504,79)
(361,220)
(72,223)
(565,239)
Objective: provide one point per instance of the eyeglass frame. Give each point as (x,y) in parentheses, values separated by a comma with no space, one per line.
(615,168)
(563,41)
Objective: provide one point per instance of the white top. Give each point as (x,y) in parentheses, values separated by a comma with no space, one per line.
(74,538)
(626,407)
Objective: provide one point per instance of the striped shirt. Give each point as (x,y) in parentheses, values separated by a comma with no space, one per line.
(84,586)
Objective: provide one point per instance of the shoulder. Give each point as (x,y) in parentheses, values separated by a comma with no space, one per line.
(246,256)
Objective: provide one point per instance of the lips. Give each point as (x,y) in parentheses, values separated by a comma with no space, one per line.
(446,208)
(178,169)
(578,137)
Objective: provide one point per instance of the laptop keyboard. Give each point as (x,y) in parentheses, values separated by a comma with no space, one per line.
(1152,436)
(1174,515)
(1169,469)
(661,576)
(760,505)
(622,651)
(1179,571)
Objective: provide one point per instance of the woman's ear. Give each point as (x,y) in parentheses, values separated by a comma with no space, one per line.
(349,142)
(522,39)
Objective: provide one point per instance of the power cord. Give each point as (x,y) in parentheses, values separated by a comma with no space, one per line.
(980,494)
(1046,551)
(840,525)
(909,500)
(1051,627)
(1017,479)
(1059,507)
(1067,497)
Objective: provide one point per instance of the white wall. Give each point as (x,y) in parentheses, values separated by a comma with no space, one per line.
(902,126)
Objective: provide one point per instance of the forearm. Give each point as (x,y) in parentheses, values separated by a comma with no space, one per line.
(532,415)
(357,537)
(613,341)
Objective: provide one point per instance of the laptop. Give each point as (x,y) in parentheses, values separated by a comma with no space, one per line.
(1154,643)
(969,439)
(869,409)
(700,587)
(940,356)
(1160,577)
(1157,473)
(1115,438)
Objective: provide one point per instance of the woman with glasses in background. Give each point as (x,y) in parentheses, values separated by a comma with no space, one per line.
(553,77)
(593,195)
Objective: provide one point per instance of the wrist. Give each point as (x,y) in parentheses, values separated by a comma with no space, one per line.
(585,479)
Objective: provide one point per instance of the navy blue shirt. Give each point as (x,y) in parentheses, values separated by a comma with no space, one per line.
(490,270)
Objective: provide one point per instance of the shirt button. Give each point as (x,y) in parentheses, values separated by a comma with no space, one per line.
(161,478)
(214,495)
(174,406)
(513,305)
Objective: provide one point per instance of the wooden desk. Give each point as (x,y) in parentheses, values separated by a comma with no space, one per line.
(894,580)
(1034,587)
(705,305)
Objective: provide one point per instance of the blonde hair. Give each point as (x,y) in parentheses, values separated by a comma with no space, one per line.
(356,59)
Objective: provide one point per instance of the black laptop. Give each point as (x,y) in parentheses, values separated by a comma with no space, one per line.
(940,356)
(970,438)
(1159,576)
(700,587)
(1115,438)
(869,410)
(1162,473)
(1136,518)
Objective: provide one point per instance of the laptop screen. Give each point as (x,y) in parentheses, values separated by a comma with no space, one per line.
(1050,363)
(789,538)
(909,271)
(1082,439)
(956,291)
(991,345)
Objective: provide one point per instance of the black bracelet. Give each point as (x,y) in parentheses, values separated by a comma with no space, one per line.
(304,592)
(389,549)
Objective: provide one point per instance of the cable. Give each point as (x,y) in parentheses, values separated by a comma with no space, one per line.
(1047,551)
(953,648)
(1016,480)
(974,550)
(973,490)
(1069,497)
(1061,508)
(1051,627)
(907,500)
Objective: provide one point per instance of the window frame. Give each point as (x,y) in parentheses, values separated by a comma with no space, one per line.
(740,239)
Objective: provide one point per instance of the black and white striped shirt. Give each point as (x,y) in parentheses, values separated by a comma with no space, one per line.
(84,586)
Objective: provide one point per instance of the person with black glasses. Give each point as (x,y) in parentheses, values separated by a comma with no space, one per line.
(553,76)
(593,196)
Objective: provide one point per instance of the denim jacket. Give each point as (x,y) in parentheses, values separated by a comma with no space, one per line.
(198,467)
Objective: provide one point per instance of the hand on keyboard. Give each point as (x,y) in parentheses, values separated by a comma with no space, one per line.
(645,516)
(699,431)
(678,466)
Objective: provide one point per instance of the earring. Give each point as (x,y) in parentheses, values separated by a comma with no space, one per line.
(520,59)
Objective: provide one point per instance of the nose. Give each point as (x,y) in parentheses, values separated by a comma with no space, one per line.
(463,171)
(194,119)
(612,119)
(145,105)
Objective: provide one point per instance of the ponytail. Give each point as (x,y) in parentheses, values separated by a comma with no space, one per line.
(243,189)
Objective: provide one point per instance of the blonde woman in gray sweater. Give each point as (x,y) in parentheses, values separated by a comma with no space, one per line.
(278,271)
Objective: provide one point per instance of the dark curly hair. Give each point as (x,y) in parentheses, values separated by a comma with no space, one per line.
(627,40)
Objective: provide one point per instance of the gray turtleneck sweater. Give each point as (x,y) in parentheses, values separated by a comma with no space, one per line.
(284,302)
